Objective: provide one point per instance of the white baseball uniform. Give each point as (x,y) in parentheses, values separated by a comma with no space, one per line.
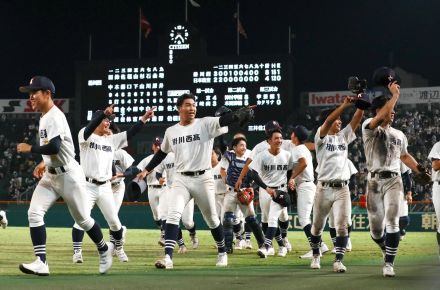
(273,171)
(333,177)
(122,161)
(383,148)
(434,155)
(67,179)
(192,145)
(96,154)
(403,202)
(265,199)
(305,186)
(220,189)
(156,192)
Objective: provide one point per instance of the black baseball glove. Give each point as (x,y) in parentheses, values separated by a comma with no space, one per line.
(281,197)
(424,175)
(243,116)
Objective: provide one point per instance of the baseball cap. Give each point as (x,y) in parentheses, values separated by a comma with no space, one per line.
(385,75)
(301,132)
(157,141)
(99,112)
(270,126)
(38,83)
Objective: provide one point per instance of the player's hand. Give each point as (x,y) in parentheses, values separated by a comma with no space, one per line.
(162,180)
(109,110)
(238,184)
(292,184)
(23,148)
(271,192)
(141,175)
(39,170)
(394,88)
(148,115)
(348,101)
(409,198)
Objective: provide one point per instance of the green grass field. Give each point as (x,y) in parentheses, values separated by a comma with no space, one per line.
(417,265)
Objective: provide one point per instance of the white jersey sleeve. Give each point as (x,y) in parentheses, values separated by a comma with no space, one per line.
(435,155)
(260,147)
(212,125)
(224,163)
(299,152)
(119,140)
(348,134)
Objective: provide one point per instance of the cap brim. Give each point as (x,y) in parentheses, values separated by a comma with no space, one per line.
(27,89)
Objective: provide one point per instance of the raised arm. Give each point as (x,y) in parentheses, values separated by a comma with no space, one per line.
(384,113)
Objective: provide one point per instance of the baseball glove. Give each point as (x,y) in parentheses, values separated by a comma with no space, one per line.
(246,195)
(424,176)
(243,116)
(221,111)
(282,198)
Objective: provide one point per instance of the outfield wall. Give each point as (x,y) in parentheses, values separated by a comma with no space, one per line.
(139,216)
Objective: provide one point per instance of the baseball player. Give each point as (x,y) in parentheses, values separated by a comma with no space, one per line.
(302,178)
(264,199)
(60,175)
(155,189)
(332,190)
(233,163)
(434,156)
(191,140)
(406,199)
(220,185)
(97,149)
(384,146)
(3,219)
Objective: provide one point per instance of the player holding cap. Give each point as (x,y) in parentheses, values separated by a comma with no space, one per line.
(60,175)
(97,149)
(192,140)
(332,191)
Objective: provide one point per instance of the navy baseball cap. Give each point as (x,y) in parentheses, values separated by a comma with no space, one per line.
(157,141)
(38,83)
(383,76)
(270,126)
(301,132)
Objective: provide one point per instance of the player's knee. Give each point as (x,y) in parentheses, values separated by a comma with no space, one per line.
(173,217)
(273,223)
(341,231)
(284,216)
(86,224)
(376,233)
(316,231)
(228,220)
(188,223)
(36,218)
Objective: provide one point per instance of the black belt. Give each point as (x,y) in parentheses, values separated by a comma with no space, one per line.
(56,170)
(335,184)
(384,174)
(94,181)
(116,183)
(277,187)
(193,173)
(156,186)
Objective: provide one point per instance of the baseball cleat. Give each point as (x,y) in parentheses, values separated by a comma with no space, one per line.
(334,250)
(37,267)
(77,256)
(240,245)
(308,255)
(338,267)
(120,253)
(222,260)
(161,241)
(166,263)
(349,246)
(316,262)
(388,270)
(324,249)
(271,251)
(182,249)
(194,241)
(3,219)
(262,252)
(248,244)
(106,258)
(287,244)
(282,252)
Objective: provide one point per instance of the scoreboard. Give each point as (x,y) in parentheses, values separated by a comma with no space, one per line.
(133,86)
